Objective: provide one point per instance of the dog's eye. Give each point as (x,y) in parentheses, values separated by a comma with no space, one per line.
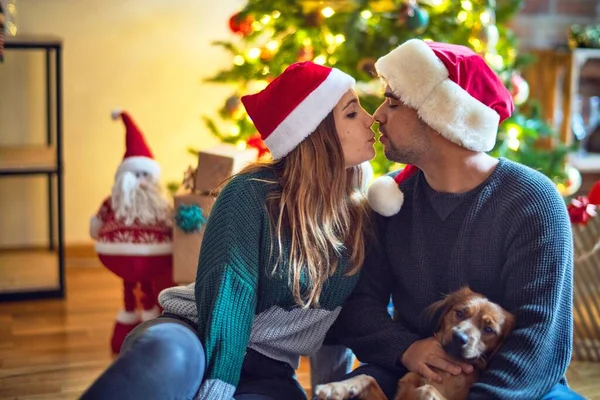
(459,314)
(488,330)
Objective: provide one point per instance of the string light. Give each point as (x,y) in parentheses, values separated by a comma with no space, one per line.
(238,60)
(339,38)
(327,12)
(462,16)
(466,5)
(265,19)
(485,17)
(257,26)
(254,53)
(234,130)
(276,14)
(366,14)
(272,45)
(329,39)
(477,44)
(320,59)
(514,144)
(513,133)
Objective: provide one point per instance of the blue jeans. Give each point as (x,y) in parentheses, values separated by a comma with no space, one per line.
(388,381)
(164,359)
(160,359)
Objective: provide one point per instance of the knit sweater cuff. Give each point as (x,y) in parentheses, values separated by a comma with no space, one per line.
(214,389)
(400,345)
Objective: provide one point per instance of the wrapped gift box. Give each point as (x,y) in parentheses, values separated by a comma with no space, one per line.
(586,291)
(218,163)
(186,245)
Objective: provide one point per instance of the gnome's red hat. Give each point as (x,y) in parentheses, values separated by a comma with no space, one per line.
(138,156)
(292,106)
(453,91)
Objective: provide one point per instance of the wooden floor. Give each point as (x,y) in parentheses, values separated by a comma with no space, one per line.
(54,349)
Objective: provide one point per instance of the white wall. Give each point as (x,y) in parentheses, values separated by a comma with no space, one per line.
(147,56)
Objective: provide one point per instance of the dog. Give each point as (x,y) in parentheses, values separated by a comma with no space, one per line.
(468,326)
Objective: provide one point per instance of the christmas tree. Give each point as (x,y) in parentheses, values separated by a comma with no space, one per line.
(352,34)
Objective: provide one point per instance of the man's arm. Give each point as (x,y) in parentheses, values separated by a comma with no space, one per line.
(364,324)
(537,281)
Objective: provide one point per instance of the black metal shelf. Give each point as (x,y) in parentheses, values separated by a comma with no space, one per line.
(42,159)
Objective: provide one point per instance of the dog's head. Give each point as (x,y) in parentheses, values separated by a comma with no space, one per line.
(470,327)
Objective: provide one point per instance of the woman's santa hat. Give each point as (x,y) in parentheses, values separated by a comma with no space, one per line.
(453,90)
(292,106)
(138,156)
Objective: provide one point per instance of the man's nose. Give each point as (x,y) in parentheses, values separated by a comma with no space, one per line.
(379,115)
(460,338)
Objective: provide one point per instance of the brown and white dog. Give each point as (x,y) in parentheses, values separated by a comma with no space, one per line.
(468,326)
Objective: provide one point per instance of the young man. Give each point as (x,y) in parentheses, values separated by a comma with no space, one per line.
(456,216)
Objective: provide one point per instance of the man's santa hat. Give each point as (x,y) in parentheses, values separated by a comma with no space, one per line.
(138,157)
(292,106)
(453,90)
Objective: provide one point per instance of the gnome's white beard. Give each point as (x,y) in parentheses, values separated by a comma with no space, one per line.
(142,201)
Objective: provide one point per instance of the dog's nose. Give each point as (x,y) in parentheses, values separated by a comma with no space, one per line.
(460,338)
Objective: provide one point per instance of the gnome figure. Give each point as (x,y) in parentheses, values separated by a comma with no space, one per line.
(133,233)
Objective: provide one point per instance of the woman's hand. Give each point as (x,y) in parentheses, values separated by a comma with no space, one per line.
(425,354)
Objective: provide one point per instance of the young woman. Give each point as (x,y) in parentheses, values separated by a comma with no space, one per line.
(280,254)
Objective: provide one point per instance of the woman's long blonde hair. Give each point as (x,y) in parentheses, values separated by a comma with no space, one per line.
(319,204)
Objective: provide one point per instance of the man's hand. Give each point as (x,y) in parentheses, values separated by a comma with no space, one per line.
(424,354)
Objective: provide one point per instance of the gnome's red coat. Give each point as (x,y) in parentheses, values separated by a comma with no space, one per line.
(136,252)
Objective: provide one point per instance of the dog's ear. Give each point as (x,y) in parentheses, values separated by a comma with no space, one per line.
(434,314)
(507,328)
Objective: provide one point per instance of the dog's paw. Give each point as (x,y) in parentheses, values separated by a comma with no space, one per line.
(428,392)
(336,391)
(358,387)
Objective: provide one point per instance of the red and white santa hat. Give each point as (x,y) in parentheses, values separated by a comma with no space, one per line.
(292,106)
(138,156)
(453,90)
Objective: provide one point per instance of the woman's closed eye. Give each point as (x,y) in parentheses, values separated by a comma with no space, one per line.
(351,115)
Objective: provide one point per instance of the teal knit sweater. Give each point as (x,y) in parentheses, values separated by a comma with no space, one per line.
(237,302)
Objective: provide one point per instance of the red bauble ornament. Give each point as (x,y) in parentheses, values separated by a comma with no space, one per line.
(257,142)
(241,24)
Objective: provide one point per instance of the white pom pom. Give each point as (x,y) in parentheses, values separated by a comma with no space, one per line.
(385,196)
(116,113)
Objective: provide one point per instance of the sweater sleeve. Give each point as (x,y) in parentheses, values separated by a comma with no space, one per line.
(227,284)
(537,281)
(364,324)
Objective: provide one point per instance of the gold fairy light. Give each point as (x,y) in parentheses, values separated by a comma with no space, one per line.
(254,53)
(272,45)
(327,12)
(320,59)
(238,60)
(234,130)
(485,17)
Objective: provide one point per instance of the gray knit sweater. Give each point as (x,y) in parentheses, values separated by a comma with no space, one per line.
(510,239)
